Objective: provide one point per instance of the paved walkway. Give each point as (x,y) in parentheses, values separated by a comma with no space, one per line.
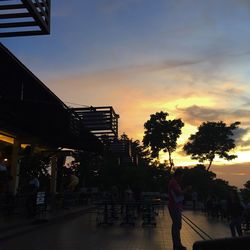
(82,233)
(18,224)
(214,227)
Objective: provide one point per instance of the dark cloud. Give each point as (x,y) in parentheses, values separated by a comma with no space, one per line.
(241,114)
(180,150)
(246,101)
(238,136)
(240,132)
(195,115)
(168,64)
(244,53)
(245,146)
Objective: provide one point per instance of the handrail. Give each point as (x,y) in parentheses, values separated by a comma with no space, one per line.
(196,228)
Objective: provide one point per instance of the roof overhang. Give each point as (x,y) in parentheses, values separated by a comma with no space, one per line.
(33,113)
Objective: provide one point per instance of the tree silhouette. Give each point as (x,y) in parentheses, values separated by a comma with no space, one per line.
(162,134)
(247,185)
(211,139)
(246,192)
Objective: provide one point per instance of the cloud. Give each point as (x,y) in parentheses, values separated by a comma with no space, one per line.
(240,135)
(138,90)
(244,53)
(180,151)
(168,64)
(237,174)
(195,115)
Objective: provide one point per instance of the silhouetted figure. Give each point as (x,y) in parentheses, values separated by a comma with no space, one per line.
(235,210)
(223,207)
(216,207)
(33,187)
(176,197)
(114,193)
(247,217)
(73,182)
(194,199)
(9,196)
(209,204)
(128,194)
(3,177)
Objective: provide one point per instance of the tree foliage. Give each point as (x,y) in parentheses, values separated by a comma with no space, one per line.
(247,185)
(205,182)
(162,134)
(211,139)
(246,192)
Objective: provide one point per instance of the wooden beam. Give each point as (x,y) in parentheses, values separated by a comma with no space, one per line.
(36,15)
(12,7)
(23,33)
(15,25)
(21,6)
(15,15)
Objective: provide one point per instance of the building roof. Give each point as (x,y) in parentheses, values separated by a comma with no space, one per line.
(31,111)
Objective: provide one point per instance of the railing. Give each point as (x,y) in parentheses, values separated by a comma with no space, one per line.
(196,228)
(121,148)
(23,203)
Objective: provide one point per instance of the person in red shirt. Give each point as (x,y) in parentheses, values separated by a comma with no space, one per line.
(175,200)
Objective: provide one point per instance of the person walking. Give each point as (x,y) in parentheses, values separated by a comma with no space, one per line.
(176,197)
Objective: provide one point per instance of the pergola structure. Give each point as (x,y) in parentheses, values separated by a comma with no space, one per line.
(24,17)
(101,121)
(121,148)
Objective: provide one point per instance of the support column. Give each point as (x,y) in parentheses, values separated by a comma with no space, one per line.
(15,165)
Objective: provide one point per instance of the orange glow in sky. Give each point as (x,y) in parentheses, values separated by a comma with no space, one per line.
(188,58)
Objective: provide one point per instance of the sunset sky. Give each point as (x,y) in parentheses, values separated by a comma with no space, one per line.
(186,57)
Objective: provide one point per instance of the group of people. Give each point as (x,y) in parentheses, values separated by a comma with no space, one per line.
(232,208)
(30,188)
(115,194)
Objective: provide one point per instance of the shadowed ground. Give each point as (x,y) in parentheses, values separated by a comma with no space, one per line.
(82,233)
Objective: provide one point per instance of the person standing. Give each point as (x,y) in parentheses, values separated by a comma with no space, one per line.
(73,182)
(176,197)
(194,199)
(33,187)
